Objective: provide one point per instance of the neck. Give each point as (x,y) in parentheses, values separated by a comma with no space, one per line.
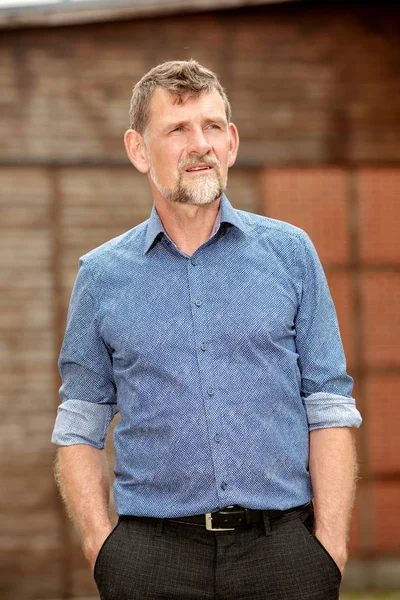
(188,226)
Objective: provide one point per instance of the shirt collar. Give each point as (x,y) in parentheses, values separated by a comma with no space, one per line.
(226,214)
(154,228)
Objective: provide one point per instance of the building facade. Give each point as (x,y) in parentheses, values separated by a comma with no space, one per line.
(314,88)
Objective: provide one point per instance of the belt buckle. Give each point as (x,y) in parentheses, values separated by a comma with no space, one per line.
(209,524)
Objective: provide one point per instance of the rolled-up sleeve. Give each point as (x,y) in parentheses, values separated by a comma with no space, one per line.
(88,393)
(326,387)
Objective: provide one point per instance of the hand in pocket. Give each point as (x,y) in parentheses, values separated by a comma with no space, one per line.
(93,547)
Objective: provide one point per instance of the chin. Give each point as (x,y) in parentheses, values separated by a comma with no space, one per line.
(202,192)
(201,201)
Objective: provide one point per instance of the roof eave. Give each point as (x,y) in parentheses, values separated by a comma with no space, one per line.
(67,13)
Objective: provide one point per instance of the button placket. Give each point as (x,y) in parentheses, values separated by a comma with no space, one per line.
(200,319)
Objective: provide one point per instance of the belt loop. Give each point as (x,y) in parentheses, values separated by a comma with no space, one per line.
(267,523)
(159,528)
(247,517)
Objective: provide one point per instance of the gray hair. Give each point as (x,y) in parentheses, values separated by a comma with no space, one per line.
(182,79)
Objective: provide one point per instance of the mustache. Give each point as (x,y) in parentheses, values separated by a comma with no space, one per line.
(209,159)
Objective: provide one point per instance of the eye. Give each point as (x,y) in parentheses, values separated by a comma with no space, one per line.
(177,129)
(213,126)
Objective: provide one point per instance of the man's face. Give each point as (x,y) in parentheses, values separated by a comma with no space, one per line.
(189,147)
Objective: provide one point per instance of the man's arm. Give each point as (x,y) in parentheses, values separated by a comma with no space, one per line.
(82,476)
(333,471)
(88,395)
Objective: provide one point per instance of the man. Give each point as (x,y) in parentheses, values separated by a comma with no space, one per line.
(212,332)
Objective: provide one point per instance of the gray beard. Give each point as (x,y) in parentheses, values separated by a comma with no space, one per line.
(203,190)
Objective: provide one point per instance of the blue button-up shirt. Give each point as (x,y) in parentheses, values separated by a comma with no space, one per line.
(219,365)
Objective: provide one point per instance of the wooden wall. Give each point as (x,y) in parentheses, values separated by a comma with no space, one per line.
(315,94)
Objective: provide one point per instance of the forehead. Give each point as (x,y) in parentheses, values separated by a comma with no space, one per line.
(164,107)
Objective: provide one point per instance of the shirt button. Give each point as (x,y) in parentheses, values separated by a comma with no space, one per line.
(224,485)
(203,347)
(194,262)
(210,392)
(197,302)
(217,437)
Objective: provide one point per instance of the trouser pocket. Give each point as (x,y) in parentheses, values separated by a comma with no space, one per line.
(102,557)
(308,523)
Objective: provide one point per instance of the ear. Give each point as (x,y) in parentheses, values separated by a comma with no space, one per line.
(233,144)
(136,150)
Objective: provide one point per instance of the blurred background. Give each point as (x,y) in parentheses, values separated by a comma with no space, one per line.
(315,92)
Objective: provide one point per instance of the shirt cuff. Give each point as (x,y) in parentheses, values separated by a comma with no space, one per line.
(330,410)
(80,422)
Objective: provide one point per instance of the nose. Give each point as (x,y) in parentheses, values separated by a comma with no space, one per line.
(198,143)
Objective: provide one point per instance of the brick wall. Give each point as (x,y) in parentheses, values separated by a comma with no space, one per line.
(352,216)
(315,96)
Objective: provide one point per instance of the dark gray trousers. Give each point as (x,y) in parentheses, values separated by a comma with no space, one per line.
(147,559)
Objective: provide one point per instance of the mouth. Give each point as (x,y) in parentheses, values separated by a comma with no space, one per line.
(198,168)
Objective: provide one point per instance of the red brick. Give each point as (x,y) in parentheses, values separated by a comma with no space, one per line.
(242,189)
(315,200)
(381,318)
(379,215)
(340,285)
(382,411)
(385,498)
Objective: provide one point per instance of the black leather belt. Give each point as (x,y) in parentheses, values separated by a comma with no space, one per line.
(233,517)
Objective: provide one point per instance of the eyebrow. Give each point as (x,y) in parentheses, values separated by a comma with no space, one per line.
(170,126)
(217,120)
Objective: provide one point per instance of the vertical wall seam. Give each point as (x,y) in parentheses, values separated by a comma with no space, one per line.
(366,533)
(58,333)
